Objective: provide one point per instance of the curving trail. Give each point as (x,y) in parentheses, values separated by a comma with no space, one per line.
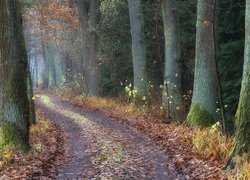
(99,147)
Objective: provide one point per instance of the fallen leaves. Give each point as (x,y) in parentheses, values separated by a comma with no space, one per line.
(175,139)
(112,150)
(43,159)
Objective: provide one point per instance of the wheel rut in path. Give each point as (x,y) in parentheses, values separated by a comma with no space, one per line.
(99,147)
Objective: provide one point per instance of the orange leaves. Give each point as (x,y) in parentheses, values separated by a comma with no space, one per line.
(48,18)
(175,139)
(41,161)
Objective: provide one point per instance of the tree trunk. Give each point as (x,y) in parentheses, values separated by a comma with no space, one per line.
(138,48)
(172,96)
(14,104)
(203,107)
(88,13)
(50,65)
(45,74)
(243,111)
(36,73)
(32,113)
(82,11)
(95,73)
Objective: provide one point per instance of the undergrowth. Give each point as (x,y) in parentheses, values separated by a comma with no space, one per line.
(119,105)
(211,142)
(242,168)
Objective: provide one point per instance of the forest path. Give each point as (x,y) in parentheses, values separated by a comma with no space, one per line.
(99,147)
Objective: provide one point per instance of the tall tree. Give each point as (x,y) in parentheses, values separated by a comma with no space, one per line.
(172,95)
(49,56)
(94,54)
(88,13)
(203,107)
(14,104)
(243,111)
(138,47)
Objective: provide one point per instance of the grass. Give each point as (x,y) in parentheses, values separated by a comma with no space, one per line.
(210,142)
(242,168)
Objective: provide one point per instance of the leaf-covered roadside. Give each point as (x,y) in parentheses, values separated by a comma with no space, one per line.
(101,148)
(44,158)
(176,140)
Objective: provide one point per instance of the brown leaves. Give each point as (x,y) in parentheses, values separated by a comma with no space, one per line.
(175,139)
(44,157)
(48,18)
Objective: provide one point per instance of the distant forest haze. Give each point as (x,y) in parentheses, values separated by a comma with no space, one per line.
(188,60)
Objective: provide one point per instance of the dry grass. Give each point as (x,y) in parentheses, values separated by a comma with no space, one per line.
(242,168)
(212,143)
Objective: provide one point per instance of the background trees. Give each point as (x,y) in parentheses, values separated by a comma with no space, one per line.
(66,29)
(172,95)
(68,26)
(138,48)
(116,55)
(88,13)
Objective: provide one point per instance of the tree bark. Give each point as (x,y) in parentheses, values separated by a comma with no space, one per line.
(172,95)
(14,104)
(94,54)
(138,48)
(32,113)
(82,11)
(88,13)
(203,107)
(50,65)
(243,111)
(45,74)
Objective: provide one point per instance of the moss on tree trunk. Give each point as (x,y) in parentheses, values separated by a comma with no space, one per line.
(243,111)
(14,104)
(199,117)
(11,135)
(205,82)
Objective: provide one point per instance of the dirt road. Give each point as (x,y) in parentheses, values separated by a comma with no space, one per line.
(99,147)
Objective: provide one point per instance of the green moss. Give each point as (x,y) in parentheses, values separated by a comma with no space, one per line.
(199,117)
(9,90)
(13,136)
(243,121)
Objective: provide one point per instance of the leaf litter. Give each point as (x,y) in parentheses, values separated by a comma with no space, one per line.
(107,148)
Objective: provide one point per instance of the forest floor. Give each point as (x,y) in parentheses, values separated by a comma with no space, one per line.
(102,145)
